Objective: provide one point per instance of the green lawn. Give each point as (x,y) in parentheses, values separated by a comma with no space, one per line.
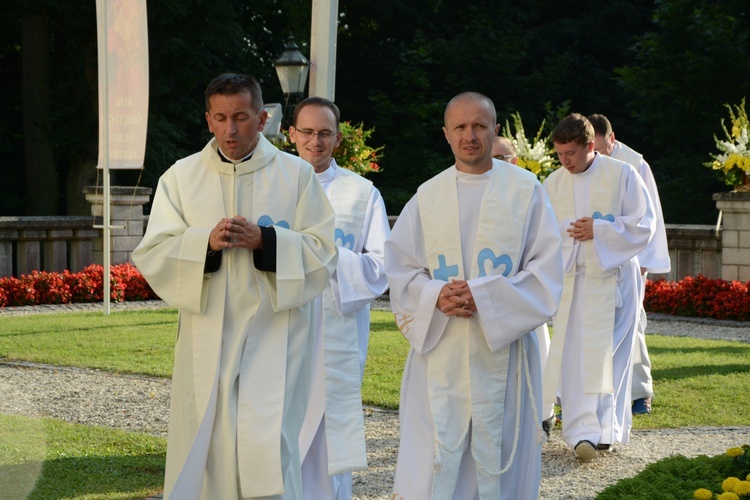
(697,383)
(139,342)
(50,459)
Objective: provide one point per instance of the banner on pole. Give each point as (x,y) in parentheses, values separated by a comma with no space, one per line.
(123,82)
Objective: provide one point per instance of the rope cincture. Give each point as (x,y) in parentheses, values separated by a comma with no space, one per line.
(541,437)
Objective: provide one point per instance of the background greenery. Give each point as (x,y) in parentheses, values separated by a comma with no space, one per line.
(661,70)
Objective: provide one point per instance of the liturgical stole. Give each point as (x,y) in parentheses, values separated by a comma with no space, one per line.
(628,155)
(345,426)
(600,295)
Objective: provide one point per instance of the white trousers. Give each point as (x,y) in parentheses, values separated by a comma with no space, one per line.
(543,339)
(643,384)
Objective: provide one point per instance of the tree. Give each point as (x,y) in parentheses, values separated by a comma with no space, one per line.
(190,42)
(690,62)
(41,175)
(400,62)
(640,62)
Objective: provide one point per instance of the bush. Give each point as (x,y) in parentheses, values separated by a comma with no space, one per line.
(674,477)
(699,297)
(42,287)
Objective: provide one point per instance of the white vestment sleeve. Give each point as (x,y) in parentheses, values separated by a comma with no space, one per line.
(360,275)
(413,293)
(655,257)
(617,242)
(172,255)
(524,301)
(305,255)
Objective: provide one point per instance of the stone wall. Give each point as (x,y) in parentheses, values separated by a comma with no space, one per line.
(693,250)
(45,243)
(57,243)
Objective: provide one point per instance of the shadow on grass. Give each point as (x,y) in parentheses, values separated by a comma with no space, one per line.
(720,350)
(100,328)
(131,477)
(679,373)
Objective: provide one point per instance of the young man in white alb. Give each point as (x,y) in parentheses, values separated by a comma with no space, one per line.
(605,219)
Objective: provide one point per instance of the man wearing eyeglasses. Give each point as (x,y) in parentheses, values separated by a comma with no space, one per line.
(504,150)
(654,259)
(605,219)
(332,441)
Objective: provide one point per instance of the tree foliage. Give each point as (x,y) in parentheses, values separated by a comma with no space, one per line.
(690,62)
(661,70)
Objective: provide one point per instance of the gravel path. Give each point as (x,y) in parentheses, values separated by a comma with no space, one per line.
(141,404)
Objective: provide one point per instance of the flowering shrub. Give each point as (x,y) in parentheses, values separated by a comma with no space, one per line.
(353,153)
(733,160)
(535,156)
(134,284)
(699,297)
(42,287)
(733,487)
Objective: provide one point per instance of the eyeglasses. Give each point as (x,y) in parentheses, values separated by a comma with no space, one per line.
(504,157)
(324,135)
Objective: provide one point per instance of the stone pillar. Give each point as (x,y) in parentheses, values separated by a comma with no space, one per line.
(735,254)
(30,250)
(7,237)
(126,218)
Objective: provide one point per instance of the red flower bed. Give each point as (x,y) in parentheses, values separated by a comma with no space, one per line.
(42,287)
(699,297)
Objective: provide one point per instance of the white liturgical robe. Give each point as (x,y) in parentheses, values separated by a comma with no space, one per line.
(654,259)
(243,351)
(471,389)
(589,364)
(332,441)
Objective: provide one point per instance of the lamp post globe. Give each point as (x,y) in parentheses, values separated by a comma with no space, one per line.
(292,68)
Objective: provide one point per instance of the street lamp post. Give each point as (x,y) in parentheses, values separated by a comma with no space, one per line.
(292,68)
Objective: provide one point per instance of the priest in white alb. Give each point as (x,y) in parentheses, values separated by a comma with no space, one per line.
(474,266)
(332,441)
(653,259)
(240,240)
(605,220)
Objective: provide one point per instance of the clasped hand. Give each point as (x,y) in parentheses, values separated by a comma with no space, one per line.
(235,232)
(582,229)
(455,299)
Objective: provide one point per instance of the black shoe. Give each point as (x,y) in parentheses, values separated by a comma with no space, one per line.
(603,447)
(642,406)
(548,424)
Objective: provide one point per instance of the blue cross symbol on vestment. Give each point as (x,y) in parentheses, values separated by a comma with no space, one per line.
(266,220)
(598,215)
(444,272)
(347,240)
(502,260)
